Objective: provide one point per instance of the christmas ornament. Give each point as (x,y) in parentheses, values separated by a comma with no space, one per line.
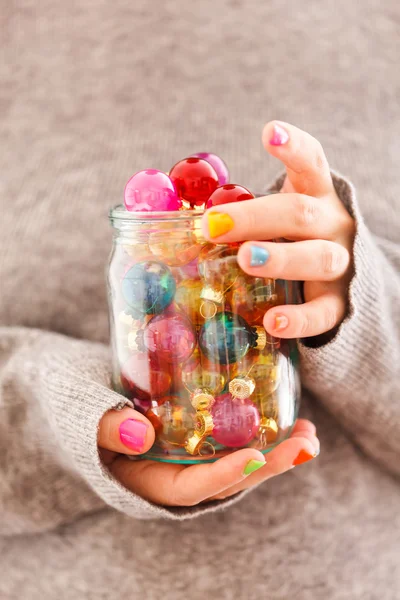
(228,193)
(170,336)
(242,387)
(202,400)
(151,190)
(172,421)
(203,423)
(215,161)
(267,433)
(236,422)
(252,297)
(194,179)
(219,270)
(266,372)
(174,248)
(148,287)
(144,376)
(191,270)
(188,298)
(227,337)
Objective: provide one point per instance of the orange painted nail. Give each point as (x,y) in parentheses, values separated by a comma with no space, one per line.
(281,322)
(302,457)
(219,223)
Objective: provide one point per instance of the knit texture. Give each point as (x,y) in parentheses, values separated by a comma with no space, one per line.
(92,92)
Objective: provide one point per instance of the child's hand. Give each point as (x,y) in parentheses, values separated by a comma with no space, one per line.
(307,212)
(129,432)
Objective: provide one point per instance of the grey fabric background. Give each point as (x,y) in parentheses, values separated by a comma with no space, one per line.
(90,92)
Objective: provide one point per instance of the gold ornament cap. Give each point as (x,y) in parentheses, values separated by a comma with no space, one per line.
(204,423)
(194,444)
(202,400)
(209,293)
(242,387)
(269,428)
(261,341)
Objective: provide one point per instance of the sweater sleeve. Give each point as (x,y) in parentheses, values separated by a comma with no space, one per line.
(356,374)
(53,392)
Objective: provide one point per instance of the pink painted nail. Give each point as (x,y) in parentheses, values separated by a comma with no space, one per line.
(280,136)
(132,434)
(281,322)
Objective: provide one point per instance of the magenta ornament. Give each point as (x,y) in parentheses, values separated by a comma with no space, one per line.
(236,422)
(170,336)
(151,190)
(218,164)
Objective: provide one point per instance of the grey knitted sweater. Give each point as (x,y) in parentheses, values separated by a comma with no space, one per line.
(90,92)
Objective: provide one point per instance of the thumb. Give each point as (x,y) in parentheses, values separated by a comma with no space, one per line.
(125,431)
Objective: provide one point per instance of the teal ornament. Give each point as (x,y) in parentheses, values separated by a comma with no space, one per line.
(227,337)
(148,288)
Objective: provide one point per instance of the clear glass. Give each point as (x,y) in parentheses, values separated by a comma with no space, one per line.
(188,345)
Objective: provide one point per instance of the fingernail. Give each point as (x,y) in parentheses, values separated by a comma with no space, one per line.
(259,256)
(219,223)
(279,136)
(281,322)
(132,434)
(253,465)
(303,456)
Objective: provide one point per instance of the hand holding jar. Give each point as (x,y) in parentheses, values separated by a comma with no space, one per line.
(317,234)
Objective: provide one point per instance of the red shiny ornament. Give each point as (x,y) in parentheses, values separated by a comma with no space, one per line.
(236,422)
(170,336)
(195,180)
(229,193)
(145,377)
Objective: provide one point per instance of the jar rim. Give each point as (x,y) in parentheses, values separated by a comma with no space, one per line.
(119,214)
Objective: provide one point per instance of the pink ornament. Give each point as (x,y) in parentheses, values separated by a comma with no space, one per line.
(170,336)
(144,377)
(151,190)
(218,164)
(191,270)
(236,422)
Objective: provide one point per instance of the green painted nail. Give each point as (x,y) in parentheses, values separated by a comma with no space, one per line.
(253,465)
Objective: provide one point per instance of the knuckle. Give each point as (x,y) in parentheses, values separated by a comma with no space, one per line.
(332,260)
(320,158)
(305,211)
(304,324)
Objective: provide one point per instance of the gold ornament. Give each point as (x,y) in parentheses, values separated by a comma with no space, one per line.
(242,387)
(212,295)
(174,248)
(203,423)
(194,444)
(202,400)
(268,431)
(208,309)
(261,338)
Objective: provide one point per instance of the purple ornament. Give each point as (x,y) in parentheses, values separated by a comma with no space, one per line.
(218,164)
(151,190)
(170,336)
(236,422)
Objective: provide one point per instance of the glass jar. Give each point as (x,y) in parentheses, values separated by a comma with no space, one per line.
(189,348)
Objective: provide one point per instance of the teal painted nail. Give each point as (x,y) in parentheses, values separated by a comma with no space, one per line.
(259,256)
(253,465)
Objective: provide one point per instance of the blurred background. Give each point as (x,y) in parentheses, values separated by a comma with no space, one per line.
(93,91)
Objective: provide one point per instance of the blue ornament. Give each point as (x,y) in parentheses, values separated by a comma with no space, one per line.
(227,337)
(148,287)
